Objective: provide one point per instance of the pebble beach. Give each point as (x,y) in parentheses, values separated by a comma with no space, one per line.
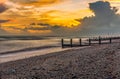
(95,62)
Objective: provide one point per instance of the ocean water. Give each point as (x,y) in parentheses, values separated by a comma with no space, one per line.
(13,45)
(12,49)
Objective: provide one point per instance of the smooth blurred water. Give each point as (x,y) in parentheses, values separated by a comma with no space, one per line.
(12,45)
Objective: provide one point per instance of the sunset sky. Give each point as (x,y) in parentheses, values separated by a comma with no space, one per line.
(27,16)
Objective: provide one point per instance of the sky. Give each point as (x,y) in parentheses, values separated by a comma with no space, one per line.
(39,16)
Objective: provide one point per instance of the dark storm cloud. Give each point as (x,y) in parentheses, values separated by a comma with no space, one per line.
(3,21)
(101,8)
(3,8)
(105,20)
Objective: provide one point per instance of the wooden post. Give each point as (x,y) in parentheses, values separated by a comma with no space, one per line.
(89,41)
(80,42)
(71,42)
(62,43)
(110,40)
(99,40)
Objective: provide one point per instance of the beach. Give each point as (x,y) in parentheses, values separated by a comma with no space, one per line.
(59,39)
(16,49)
(11,50)
(94,62)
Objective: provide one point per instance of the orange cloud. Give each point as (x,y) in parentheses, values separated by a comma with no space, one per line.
(40,31)
(2,1)
(12,30)
(52,17)
(37,2)
(62,18)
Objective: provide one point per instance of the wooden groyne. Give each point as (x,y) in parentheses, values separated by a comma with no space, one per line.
(87,41)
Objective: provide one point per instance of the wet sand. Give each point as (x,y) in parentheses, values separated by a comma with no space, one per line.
(95,62)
